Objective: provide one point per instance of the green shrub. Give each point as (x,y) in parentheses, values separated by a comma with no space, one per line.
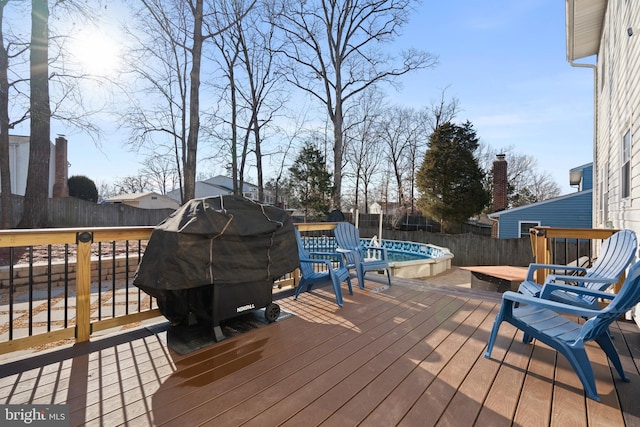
(83,188)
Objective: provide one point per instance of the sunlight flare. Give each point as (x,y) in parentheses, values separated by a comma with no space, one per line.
(96,53)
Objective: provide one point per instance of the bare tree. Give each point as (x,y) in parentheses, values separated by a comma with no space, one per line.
(161,173)
(246,60)
(290,136)
(418,138)
(403,134)
(260,94)
(228,45)
(363,145)
(190,154)
(542,187)
(334,52)
(182,27)
(133,184)
(106,190)
(159,66)
(442,111)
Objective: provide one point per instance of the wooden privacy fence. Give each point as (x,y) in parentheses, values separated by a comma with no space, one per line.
(71,213)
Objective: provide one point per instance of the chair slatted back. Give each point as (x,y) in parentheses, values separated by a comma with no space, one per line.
(616,254)
(348,237)
(625,300)
(305,268)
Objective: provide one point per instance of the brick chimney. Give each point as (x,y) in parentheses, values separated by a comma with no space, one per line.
(60,187)
(499,183)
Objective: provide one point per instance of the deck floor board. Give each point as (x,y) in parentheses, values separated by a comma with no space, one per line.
(410,354)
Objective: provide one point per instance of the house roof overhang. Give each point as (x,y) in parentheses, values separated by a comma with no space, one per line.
(584,22)
(496,215)
(576,174)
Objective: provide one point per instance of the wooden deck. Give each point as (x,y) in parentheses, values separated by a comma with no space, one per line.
(409,355)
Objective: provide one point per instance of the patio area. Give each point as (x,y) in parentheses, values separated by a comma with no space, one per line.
(410,354)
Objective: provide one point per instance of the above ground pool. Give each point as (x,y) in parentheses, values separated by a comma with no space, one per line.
(406,259)
(413,260)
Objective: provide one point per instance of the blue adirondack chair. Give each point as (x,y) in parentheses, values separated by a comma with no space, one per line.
(544,320)
(348,240)
(617,252)
(319,267)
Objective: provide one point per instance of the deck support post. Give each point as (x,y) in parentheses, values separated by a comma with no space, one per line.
(83,286)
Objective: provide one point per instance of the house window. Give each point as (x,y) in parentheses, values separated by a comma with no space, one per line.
(526,225)
(625,176)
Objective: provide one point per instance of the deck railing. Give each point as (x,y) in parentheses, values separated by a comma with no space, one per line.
(46,289)
(67,284)
(567,245)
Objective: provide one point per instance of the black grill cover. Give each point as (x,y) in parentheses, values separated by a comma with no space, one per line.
(224,240)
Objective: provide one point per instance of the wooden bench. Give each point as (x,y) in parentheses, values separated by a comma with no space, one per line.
(496,278)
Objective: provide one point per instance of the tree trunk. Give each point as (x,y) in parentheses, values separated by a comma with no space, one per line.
(398,176)
(357,187)
(337,152)
(5,174)
(235,172)
(194,104)
(366,197)
(256,131)
(37,191)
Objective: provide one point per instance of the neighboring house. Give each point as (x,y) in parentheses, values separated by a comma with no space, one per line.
(222,185)
(145,201)
(19,166)
(611,30)
(571,210)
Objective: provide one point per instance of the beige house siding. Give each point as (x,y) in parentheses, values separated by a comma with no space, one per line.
(156,201)
(145,201)
(618,104)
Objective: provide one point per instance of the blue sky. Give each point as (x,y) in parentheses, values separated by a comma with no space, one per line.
(506,63)
(504,60)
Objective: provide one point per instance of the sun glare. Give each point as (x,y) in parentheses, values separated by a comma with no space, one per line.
(96,53)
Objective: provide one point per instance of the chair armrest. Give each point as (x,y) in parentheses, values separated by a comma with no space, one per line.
(530,288)
(510,297)
(344,251)
(326,263)
(533,267)
(580,279)
(550,287)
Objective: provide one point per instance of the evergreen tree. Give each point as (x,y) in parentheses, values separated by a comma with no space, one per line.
(450,179)
(83,188)
(311,182)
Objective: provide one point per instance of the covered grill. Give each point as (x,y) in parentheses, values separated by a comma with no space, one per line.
(216,258)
